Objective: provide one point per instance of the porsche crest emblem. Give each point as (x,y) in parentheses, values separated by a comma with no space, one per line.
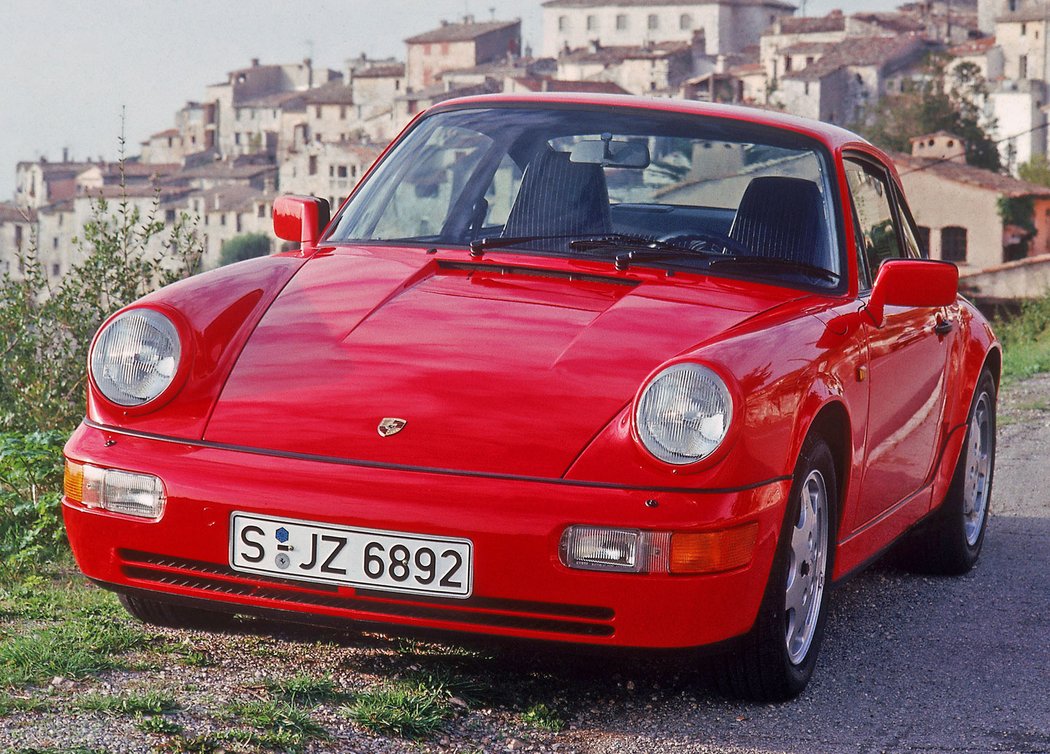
(391,426)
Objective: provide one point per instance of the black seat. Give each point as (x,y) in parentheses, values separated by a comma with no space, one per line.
(559,197)
(783,218)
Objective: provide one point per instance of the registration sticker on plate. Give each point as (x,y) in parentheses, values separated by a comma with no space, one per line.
(365,558)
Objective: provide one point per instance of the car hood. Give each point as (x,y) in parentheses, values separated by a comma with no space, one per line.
(497,368)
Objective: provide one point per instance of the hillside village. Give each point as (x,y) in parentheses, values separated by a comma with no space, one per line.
(272,128)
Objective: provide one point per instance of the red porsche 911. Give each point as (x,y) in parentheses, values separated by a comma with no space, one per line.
(598,370)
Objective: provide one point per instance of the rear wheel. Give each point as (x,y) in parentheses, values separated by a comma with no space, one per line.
(777,657)
(174,616)
(951,539)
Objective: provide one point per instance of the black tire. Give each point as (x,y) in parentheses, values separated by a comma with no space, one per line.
(170,615)
(773,664)
(949,541)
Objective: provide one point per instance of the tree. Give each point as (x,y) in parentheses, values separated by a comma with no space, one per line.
(245,246)
(941,100)
(1036,170)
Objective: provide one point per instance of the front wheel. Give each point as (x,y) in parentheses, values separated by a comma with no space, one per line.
(170,615)
(950,540)
(777,657)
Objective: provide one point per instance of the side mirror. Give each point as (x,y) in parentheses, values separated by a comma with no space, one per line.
(912,282)
(300,218)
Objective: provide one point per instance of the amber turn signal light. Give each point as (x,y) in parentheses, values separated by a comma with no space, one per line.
(713,551)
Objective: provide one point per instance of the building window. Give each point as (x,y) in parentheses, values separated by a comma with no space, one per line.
(805,88)
(56,269)
(563,23)
(924,239)
(169,216)
(260,211)
(621,22)
(953,244)
(685,22)
(312,169)
(1024,29)
(787,63)
(341,171)
(1012,5)
(54,242)
(342,112)
(653,22)
(592,23)
(317,111)
(1022,67)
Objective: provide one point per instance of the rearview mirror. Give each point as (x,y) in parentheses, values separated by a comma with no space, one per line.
(611,153)
(912,282)
(300,218)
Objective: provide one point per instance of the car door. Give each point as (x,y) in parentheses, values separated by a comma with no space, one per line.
(908,353)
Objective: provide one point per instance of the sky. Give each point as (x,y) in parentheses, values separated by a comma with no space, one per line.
(73,67)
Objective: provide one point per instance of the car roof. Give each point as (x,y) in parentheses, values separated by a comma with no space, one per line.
(832,136)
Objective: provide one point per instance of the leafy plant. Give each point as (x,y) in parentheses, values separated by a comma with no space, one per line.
(411,711)
(124,252)
(30,483)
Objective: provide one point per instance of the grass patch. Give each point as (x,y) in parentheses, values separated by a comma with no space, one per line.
(149,703)
(276,720)
(72,631)
(304,689)
(410,711)
(1026,340)
(541,716)
(72,649)
(159,725)
(10,704)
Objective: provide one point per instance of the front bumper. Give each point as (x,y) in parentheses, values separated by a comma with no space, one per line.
(521,589)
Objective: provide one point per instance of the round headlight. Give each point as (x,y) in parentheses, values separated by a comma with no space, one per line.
(135,357)
(684,414)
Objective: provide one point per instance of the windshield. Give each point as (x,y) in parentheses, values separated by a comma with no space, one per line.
(679,190)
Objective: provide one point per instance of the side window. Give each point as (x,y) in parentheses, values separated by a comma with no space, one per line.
(876,226)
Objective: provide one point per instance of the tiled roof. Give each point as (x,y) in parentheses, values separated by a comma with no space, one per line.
(973,47)
(967,174)
(280,99)
(222,170)
(232,198)
(861,51)
(934,135)
(381,72)
(53,170)
(808,48)
(807,25)
(464,32)
(165,133)
(334,93)
(12,213)
(902,23)
(617,54)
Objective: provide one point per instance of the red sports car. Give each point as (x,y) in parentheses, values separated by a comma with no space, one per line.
(611,371)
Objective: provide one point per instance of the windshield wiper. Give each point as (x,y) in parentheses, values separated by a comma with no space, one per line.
(641,248)
(775,263)
(478,245)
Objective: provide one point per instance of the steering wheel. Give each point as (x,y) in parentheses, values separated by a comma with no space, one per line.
(713,241)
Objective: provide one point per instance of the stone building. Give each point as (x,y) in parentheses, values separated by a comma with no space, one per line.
(726,26)
(454,46)
(327,170)
(969,229)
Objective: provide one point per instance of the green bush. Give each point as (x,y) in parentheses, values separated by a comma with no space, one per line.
(45,329)
(1026,340)
(30,489)
(246,246)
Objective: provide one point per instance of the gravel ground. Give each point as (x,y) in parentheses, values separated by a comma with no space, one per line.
(909,663)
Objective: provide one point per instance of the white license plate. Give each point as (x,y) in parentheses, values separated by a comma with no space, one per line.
(366,558)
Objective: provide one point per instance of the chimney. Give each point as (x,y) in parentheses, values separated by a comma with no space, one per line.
(255,62)
(65,154)
(594,46)
(468,19)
